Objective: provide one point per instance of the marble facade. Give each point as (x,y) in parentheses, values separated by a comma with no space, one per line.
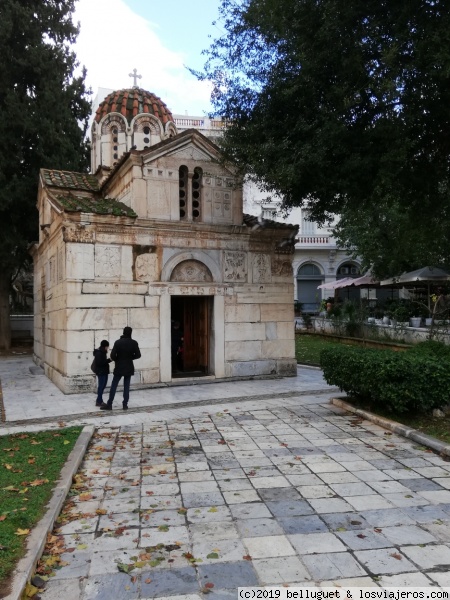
(125,246)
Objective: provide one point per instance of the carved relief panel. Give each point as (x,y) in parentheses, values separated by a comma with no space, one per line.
(281,267)
(107,262)
(78,234)
(190,271)
(146,267)
(235,266)
(261,270)
(221,193)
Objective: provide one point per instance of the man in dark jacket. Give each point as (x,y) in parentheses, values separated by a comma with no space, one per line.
(124,352)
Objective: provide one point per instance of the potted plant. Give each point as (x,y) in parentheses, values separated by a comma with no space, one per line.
(378,314)
(307,320)
(415,321)
(401,315)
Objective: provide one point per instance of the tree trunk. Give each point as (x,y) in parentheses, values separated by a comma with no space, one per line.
(5,324)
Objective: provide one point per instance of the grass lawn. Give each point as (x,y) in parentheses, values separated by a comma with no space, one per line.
(30,464)
(308,348)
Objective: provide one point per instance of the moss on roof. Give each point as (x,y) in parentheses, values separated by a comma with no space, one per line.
(70,180)
(99,206)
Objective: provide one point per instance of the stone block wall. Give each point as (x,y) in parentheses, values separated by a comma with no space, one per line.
(259,331)
(89,289)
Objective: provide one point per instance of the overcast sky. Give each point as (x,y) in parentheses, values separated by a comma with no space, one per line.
(157,37)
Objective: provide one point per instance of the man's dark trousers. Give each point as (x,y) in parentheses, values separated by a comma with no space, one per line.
(126,388)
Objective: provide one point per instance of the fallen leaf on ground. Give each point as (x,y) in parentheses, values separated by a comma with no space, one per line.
(31,590)
(85,496)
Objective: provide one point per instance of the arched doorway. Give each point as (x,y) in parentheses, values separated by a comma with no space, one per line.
(309,276)
(191,317)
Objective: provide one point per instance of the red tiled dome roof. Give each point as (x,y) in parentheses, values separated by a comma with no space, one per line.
(132,102)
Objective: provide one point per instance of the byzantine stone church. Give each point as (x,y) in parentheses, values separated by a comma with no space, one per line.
(157,234)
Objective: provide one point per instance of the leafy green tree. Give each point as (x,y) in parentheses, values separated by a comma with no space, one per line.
(342,105)
(44,111)
(392,240)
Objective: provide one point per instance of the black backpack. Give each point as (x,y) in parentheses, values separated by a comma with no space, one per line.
(94,366)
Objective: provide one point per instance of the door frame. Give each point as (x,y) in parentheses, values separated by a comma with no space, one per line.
(217,330)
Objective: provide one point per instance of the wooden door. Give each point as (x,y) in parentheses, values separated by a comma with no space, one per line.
(196,334)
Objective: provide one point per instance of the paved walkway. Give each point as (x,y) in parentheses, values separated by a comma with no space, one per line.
(281,488)
(30,398)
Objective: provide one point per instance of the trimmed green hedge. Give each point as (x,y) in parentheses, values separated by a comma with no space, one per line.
(397,381)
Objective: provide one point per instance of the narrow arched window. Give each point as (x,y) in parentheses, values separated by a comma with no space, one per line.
(183,192)
(197,194)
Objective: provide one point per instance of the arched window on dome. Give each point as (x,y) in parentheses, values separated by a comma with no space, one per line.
(146,133)
(113,142)
(170,130)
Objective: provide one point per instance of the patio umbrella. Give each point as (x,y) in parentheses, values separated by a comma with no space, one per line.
(426,275)
(366,281)
(334,285)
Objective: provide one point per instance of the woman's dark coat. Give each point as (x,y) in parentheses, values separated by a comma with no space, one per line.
(101,362)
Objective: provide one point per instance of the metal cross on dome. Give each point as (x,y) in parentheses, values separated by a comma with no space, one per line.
(135,76)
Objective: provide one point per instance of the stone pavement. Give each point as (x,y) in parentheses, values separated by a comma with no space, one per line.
(298,494)
(239,483)
(29,397)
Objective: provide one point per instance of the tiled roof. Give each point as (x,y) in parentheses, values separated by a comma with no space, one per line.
(70,180)
(132,102)
(252,221)
(100,206)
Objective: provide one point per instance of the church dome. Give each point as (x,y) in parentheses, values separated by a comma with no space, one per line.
(132,102)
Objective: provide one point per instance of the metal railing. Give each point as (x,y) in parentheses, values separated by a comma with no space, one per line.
(315,239)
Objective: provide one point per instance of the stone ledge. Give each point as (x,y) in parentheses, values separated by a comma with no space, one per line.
(38,537)
(407,432)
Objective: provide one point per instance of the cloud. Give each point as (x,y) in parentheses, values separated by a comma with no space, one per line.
(114,40)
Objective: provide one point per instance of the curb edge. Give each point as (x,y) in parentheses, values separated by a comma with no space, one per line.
(37,539)
(403,430)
